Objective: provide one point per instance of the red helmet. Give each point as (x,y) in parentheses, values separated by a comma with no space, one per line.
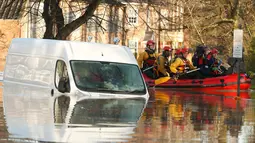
(184,50)
(167,48)
(150,42)
(214,51)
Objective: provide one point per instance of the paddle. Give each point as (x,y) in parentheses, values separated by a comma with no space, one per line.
(161,80)
(165,79)
(192,71)
(148,68)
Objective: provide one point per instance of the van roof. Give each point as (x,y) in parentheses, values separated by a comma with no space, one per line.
(72,50)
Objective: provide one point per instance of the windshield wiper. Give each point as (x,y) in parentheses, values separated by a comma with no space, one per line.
(102,90)
(130,91)
(114,91)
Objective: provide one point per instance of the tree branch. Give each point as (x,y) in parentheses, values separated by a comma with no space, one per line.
(217,23)
(59,17)
(193,23)
(69,28)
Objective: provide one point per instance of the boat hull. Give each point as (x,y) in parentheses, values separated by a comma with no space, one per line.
(228,82)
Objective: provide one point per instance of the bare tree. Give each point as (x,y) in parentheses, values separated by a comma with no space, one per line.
(54,19)
(212,22)
(10,9)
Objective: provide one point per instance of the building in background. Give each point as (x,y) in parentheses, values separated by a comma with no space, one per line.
(9,26)
(132,22)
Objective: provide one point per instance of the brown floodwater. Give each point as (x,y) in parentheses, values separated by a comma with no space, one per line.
(168,116)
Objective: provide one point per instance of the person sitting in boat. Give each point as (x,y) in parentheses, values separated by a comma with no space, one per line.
(162,62)
(182,65)
(146,59)
(200,60)
(216,64)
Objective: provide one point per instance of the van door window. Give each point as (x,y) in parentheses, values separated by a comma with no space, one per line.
(61,73)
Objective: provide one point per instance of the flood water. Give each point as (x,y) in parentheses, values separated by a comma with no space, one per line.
(169,116)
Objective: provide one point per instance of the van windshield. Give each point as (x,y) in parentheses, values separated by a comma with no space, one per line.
(96,76)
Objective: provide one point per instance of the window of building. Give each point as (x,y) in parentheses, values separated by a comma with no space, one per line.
(133,15)
(133,45)
(91,25)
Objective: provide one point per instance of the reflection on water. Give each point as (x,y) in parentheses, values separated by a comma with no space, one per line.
(3,128)
(99,112)
(186,117)
(32,113)
(170,116)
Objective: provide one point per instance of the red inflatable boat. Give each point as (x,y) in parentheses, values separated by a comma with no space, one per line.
(228,82)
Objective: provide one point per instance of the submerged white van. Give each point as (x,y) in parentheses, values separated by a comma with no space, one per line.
(80,68)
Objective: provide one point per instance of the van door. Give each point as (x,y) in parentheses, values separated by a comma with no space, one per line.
(61,79)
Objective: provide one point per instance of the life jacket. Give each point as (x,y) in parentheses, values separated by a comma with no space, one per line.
(215,67)
(185,66)
(199,61)
(166,64)
(156,66)
(209,59)
(215,63)
(174,59)
(150,61)
(209,56)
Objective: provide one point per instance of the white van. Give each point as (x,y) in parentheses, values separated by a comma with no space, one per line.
(80,68)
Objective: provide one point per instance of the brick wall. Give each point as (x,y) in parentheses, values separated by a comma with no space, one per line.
(9,29)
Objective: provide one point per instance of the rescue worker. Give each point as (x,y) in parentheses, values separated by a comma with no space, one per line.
(216,66)
(181,65)
(200,60)
(208,56)
(146,59)
(162,62)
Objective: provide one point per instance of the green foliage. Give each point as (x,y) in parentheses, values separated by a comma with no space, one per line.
(251,56)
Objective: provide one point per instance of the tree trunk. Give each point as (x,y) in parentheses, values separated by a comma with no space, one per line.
(48,34)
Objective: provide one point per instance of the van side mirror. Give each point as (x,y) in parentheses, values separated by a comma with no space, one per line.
(62,85)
